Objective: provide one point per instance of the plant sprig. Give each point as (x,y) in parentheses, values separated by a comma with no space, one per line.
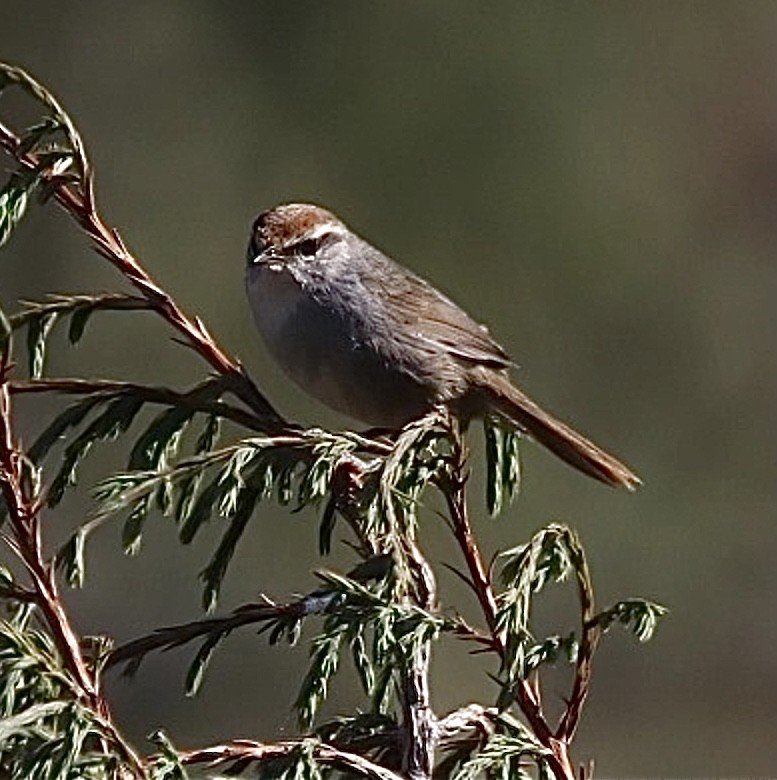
(218,451)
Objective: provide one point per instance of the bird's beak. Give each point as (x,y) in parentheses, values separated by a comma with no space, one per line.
(260,253)
(268,258)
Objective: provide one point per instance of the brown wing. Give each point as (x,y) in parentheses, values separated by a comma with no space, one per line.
(435,319)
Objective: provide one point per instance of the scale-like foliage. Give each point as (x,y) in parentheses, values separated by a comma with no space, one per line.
(46,733)
(512,752)
(503,465)
(639,615)
(383,616)
(550,556)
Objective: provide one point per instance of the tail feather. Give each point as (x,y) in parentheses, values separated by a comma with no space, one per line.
(569,445)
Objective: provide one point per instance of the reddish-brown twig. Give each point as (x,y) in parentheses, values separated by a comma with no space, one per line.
(23,507)
(527,695)
(243,752)
(77,199)
(590,635)
(148,393)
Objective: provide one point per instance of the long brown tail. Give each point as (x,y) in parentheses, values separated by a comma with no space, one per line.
(559,438)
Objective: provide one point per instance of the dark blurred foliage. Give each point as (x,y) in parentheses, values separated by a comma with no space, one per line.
(596,181)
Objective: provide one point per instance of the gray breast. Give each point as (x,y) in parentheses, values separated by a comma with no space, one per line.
(325,352)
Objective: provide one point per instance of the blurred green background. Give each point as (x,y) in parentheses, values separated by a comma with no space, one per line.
(596,181)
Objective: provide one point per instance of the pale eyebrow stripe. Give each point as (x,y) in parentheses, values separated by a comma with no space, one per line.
(321,230)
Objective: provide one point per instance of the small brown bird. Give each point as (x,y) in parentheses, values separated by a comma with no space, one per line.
(373,340)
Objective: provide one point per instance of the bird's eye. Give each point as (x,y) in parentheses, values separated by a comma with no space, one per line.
(308,247)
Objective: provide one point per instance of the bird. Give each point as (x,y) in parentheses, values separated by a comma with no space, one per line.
(373,340)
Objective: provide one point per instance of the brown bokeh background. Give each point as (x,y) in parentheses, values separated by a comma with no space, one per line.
(595,181)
